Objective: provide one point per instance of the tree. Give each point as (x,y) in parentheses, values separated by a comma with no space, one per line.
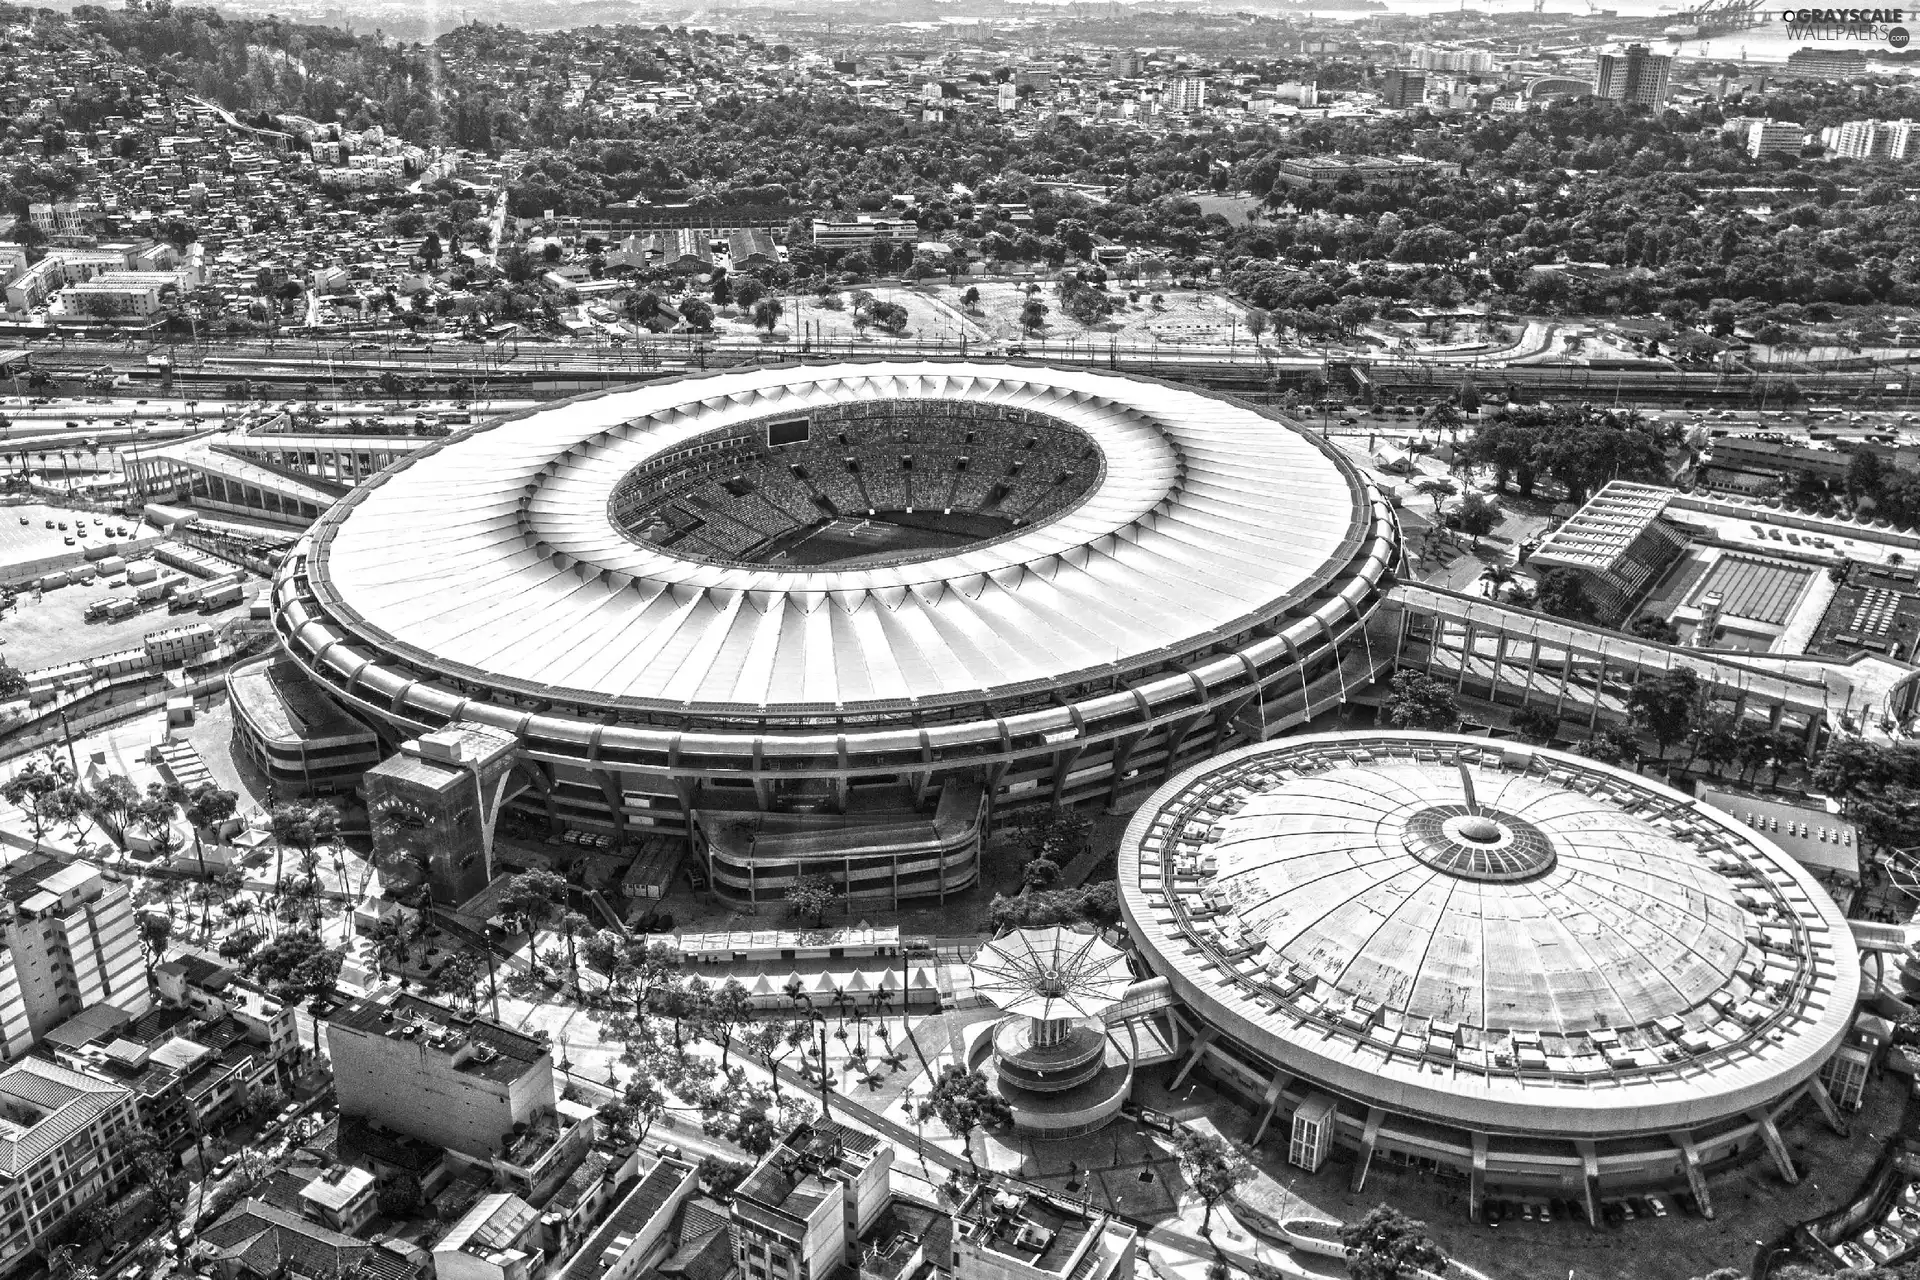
(639,1107)
(1040,873)
(113,800)
(207,809)
(971,298)
(1614,744)
(812,896)
(962,1101)
(720,1176)
(1213,1168)
(1666,705)
(1438,488)
(1652,627)
(153,1164)
(1476,517)
(393,936)
(458,979)
(1563,594)
(730,1009)
(1536,726)
(771,1043)
(697,315)
(156,931)
(12,683)
(1416,700)
(43,790)
(538,897)
(296,965)
(301,825)
(1388,1245)
(767,313)
(747,291)
(1033,314)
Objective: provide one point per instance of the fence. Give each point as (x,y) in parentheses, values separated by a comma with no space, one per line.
(13,747)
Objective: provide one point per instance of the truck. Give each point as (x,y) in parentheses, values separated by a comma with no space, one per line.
(214,599)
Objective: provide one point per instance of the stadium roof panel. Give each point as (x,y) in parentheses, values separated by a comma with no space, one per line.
(493,556)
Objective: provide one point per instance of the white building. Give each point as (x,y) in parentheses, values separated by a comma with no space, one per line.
(1433,57)
(1187,94)
(1870,139)
(1773,137)
(117,294)
(64,1142)
(71,942)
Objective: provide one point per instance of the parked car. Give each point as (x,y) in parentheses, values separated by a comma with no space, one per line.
(225,1166)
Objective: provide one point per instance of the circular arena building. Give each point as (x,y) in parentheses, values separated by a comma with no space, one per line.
(824,619)
(1511,965)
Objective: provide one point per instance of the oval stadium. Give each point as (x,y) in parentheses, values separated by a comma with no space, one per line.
(1511,965)
(828,619)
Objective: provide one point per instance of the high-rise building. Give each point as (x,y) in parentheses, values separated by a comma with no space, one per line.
(1187,93)
(71,942)
(1404,87)
(1636,77)
(1870,139)
(65,1141)
(1429,57)
(1774,137)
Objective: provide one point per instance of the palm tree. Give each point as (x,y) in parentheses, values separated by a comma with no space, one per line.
(1496,576)
(796,991)
(393,936)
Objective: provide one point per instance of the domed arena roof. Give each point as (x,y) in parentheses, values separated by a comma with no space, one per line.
(1491,927)
(1522,903)
(838,536)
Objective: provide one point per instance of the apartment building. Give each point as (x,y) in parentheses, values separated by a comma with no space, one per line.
(418,1068)
(1871,139)
(1187,94)
(64,1138)
(1431,57)
(1774,137)
(796,1215)
(71,942)
(468,1085)
(1403,87)
(1635,77)
(1013,1235)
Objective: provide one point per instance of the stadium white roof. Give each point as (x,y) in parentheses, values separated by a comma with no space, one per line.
(492,556)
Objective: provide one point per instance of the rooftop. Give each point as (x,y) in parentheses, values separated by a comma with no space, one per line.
(1437,914)
(1598,534)
(1205,512)
(498,1052)
(650,1196)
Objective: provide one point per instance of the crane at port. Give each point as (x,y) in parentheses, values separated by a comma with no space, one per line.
(1722,15)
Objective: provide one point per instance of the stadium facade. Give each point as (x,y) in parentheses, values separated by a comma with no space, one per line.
(827,619)
(1520,967)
